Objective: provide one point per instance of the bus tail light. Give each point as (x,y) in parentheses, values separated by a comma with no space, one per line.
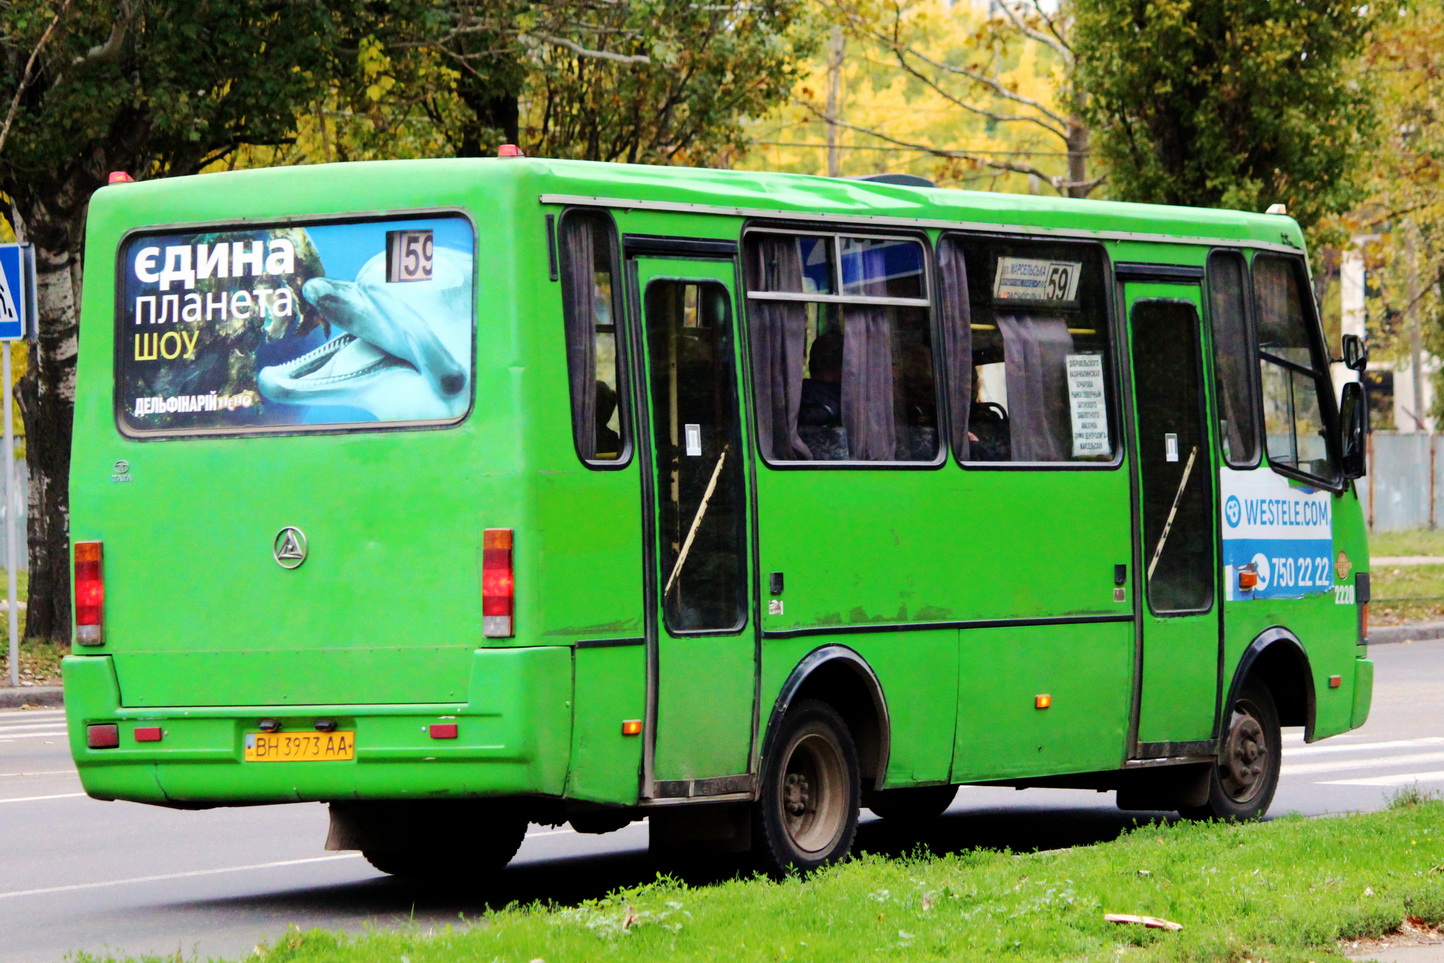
(498,587)
(89,594)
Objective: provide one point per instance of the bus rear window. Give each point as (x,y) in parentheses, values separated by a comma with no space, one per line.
(293,327)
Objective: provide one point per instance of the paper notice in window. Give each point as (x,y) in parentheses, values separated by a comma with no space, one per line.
(1088,406)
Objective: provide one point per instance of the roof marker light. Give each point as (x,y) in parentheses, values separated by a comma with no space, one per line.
(120,177)
(509,150)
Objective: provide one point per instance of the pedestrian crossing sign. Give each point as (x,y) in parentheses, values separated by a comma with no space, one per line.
(17,291)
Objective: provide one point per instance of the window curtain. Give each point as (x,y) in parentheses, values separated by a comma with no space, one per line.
(957,319)
(579,308)
(1035,367)
(779,345)
(867,375)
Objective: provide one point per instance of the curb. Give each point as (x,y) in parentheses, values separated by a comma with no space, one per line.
(1409,632)
(32,696)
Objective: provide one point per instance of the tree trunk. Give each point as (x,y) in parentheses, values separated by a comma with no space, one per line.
(47,405)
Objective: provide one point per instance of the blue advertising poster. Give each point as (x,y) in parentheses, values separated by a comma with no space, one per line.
(295,327)
(15,291)
(1279,531)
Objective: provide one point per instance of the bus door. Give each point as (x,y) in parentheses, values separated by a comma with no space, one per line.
(1177,528)
(700,643)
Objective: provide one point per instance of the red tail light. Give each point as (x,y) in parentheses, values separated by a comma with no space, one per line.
(89,594)
(498,588)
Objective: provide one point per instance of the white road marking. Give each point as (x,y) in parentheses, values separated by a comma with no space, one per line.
(57,734)
(59,795)
(75,887)
(45,772)
(1400,779)
(57,725)
(1344,765)
(1331,747)
(165,876)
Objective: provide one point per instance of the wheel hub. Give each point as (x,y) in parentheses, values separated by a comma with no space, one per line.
(1244,758)
(796,794)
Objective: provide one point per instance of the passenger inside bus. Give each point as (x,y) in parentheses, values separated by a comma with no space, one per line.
(819,418)
(609,443)
(822,392)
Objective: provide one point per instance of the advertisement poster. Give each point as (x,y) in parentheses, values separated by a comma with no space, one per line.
(290,327)
(1281,531)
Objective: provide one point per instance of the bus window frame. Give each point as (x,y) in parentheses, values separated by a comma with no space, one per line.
(301,221)
(929,302)
(1255,392)
(1111,323)
(620,324)
(1322,375)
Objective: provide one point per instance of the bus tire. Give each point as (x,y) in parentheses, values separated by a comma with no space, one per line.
(806,815)
(1242,783)
(913,802)
(465,853)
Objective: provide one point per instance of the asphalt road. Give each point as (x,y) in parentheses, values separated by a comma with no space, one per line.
(126,879)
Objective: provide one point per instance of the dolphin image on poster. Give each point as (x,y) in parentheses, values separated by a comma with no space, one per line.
(404,351)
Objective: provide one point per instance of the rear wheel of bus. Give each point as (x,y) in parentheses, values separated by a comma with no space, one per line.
(807,813)
(441,841)
(1242,784)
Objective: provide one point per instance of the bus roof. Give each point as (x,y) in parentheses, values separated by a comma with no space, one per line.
(355,185)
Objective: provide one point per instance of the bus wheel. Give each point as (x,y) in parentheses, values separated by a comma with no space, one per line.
(1242,784)
(913,802)
(453,852)
(807,813)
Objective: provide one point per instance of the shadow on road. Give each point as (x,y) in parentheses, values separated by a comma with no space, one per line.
(574,879)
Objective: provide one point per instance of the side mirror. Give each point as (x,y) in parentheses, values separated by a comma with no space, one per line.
(1353,429)
(1356,355)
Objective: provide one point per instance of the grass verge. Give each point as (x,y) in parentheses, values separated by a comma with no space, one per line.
(1285,891)
(1407,593)
(39,661)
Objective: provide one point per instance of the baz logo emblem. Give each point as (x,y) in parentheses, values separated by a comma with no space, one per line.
(289,547)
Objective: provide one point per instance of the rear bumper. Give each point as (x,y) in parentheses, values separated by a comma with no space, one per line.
(1363,691)
(513,738)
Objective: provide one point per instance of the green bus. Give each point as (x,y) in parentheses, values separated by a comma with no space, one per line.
(464,494)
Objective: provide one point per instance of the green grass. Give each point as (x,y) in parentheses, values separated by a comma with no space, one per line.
(1406,593)
(1417,541)
(39,661)
(1285,891)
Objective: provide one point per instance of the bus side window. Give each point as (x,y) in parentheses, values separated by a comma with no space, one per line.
(842,355)
(1292,369)
(1232,358)
(590,306)
(1029,379)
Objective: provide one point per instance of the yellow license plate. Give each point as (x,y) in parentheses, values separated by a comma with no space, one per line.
(300,746)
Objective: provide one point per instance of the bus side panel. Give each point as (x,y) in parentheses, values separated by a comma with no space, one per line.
(610,689)
(918,672)
(1325,622)
(1005,729)
(918,675)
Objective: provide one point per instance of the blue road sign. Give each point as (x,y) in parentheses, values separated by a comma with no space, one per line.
(17,291)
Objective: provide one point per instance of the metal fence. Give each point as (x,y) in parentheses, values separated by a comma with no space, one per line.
(1405,484)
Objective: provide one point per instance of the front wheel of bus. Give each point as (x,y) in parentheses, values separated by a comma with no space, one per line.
(1242,784)
(807,814)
